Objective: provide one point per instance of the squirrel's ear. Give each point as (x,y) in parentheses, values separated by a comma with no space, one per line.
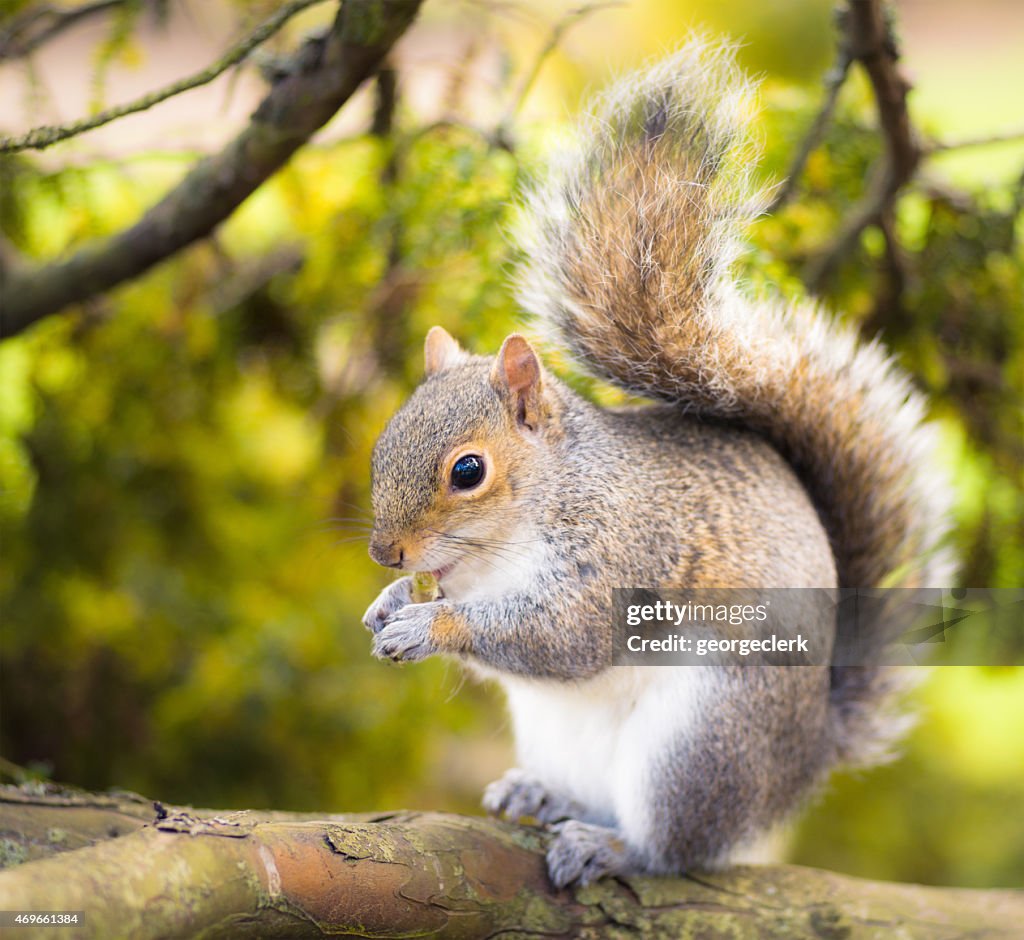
(440,351)
(517,372)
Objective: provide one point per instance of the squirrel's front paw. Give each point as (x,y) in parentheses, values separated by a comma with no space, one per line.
(391,600)
(405,637)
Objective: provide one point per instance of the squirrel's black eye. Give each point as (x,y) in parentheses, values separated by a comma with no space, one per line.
(467,472)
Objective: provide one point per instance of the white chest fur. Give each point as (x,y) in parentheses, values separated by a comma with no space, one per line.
(495,568)
(594,741)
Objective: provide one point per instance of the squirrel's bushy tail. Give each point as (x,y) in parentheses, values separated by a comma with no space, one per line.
(628,248)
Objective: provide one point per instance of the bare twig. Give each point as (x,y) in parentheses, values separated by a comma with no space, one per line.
(455,92)
(487,137)
(866,212)
(558,31)
(41,137)
(834,80)
(293,110)
(871,43)
(253,276)
(874,46)
(499,136)
(888,308)
(943,146)
(398,287)
(385,101)
(19,39)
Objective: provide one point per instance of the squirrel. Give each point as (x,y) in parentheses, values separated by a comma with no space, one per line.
(776,451)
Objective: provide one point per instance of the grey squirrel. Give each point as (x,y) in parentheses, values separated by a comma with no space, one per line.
(778,452)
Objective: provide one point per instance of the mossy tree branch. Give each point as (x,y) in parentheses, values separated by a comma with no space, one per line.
(183,873)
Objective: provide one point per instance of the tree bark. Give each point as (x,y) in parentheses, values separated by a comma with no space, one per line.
(324,76)
(414,874)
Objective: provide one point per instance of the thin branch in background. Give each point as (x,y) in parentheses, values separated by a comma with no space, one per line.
(835,78)
(19,40)
(487,137)
(40,98)
(398,286)
(514,11)
(455,91)
(888,307)
(385,101)
(40,137)
(241,282)
(874,46)
(943,146)
(871,43)
(558,31)
(867,212)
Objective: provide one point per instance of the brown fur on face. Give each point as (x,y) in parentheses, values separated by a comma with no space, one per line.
(462,409)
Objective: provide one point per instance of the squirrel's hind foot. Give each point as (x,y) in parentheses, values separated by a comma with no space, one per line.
(518,794)
(582,852)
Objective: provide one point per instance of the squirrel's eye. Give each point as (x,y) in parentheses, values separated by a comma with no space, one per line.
(467,472)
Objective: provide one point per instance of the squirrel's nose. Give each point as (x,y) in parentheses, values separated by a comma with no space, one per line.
(389,554)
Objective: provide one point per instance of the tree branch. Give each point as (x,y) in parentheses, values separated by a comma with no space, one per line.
(185,873)
(18,40)
(871,43)
(385,101)
(328,73)
(834,80)
(41,137)
(944,146)
(558,31)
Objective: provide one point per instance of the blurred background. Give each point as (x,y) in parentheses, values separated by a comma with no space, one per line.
(184,461)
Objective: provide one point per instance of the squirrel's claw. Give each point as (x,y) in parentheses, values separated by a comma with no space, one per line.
(391,600)
(581,853)
(405,637)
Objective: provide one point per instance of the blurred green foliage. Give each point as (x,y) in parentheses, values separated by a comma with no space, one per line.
(183,473)
(184,477)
